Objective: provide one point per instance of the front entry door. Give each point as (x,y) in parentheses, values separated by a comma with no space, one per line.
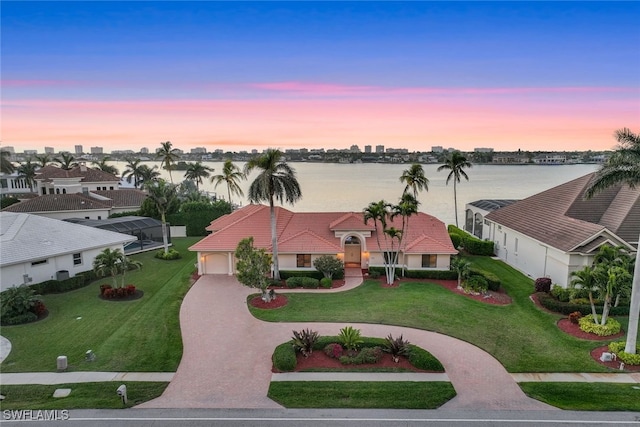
(352,254)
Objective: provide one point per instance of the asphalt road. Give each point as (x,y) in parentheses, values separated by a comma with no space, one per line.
(325,417)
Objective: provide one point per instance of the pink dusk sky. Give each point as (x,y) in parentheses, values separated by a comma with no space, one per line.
(206,83)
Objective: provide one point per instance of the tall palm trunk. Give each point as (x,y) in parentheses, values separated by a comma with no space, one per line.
(455,201)
(634,308)
(165,239)
(594,313)
(274,240)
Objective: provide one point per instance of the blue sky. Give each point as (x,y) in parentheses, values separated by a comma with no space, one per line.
(226,68)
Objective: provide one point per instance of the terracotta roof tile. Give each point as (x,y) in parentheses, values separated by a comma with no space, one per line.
(58,202)
(310,232)
(87,174)
(123,198)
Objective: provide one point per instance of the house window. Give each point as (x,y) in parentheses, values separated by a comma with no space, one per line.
(110,188)
(99,216)
(77,259)
(42,261)
(389,257)
(516,246)
(303,260)
(429,261)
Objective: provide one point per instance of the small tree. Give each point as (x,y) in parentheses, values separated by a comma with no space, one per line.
(328,265)
(253,266)
(108,262)
(462,267)
(128,264)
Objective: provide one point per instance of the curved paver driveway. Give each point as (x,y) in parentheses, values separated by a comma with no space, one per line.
(226,361)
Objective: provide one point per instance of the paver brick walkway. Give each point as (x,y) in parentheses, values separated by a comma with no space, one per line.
(226,360)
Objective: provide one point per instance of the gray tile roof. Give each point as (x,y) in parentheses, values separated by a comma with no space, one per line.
(561,218)
(87,174)
(25,237)
(125,198)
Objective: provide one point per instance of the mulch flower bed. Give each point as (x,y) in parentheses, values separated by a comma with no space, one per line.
(137,295)
(614,364)
(491,297)
(566,326)
(280,301)
(318,360)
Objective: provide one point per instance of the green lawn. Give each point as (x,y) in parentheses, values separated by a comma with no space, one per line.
(83,395)
(140,335)
(522,337)
(361,394)
(586,396)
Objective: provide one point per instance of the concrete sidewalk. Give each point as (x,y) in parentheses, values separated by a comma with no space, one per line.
(49,378)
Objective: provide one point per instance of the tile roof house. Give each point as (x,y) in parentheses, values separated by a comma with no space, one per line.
(80,179)
(556,232)
(34,248)
(304,236)
(93,205)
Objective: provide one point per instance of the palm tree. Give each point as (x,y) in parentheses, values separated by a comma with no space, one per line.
(415,180)
(407,207)
(148,175)
(162,193)
(127,264)
(623,167)
(5,164)
(585,280)
(43,160)
(276,180)
(196,171)
(67,161)
(456,164)
(462,267)
(133,170)
(108,262)
(168,155)
(230,175)
(27,171)
(104,167)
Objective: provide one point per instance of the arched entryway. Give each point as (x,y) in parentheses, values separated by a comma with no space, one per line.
(352,252)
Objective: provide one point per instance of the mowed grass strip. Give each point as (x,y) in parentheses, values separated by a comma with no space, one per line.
(139,335)
(83,395)
(361,394)
(586,396)
(522,337)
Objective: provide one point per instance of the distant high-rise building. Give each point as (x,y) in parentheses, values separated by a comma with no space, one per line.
(367,149)
(380,149)
(8,149)
(199,150)
(354,149)
(96,150)
(254,151)
(78,149)
(437,149)
(49,150)
(144,150)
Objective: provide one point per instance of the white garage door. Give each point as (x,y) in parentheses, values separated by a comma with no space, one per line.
(216,264)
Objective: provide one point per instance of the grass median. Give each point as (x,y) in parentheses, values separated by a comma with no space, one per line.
(586,396)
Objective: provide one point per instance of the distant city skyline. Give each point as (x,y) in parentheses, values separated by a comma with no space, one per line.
(236,76)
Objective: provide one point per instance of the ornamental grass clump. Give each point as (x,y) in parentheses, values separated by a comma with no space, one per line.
(397,347)
(304,340)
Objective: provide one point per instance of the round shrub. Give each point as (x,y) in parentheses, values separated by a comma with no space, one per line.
(326,283)
(334,350)
(543,284)
(310,283)
(294,282)
(475,283)
(284,357)
(627,358)
(612,326)
(171,255)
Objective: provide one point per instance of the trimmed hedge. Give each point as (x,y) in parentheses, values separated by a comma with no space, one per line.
(422,359)
(20,319)
(285,274)
(550,303)
(470,243)
(304,282)
(80,280)
(493,281)
(431,274)
(169,256)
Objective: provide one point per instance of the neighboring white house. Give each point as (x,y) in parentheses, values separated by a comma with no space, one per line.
(14,185)
(474,222)
(34,248)
(557,232)
(304,236)
(80,179)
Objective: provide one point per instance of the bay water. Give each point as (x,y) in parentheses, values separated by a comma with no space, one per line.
(328,187)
